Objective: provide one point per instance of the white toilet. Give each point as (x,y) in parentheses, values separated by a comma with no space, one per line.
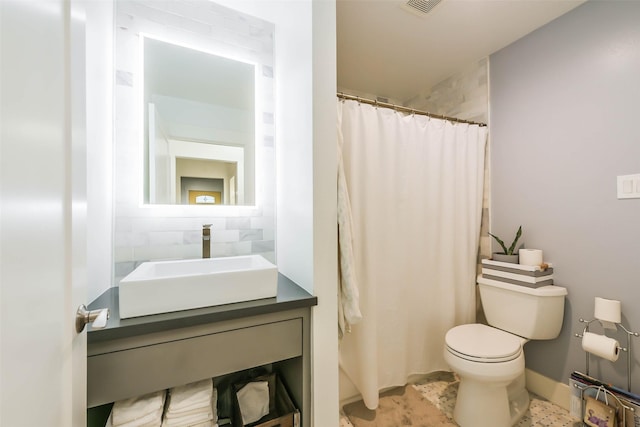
(489,360)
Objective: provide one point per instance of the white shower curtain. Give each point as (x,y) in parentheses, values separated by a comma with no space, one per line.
(416,187)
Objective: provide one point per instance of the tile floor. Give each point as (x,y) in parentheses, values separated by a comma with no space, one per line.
(441,388)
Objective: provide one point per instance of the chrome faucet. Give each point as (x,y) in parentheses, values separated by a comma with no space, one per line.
(206,241)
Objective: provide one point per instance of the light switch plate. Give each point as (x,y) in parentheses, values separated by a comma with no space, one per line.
(629,186)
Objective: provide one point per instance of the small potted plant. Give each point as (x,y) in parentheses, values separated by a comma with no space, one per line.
(508,254)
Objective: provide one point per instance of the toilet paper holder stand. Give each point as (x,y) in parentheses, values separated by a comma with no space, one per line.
(626,349)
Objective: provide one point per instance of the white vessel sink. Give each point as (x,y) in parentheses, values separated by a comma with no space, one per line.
(166,286)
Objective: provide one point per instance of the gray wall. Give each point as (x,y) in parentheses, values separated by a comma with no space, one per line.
(564,108)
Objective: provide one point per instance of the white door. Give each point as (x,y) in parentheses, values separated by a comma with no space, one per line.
(42,216)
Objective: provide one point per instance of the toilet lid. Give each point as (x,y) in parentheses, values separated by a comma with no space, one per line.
(483,343)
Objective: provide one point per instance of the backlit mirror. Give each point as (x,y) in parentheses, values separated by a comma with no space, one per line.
(199,111)
(194,108)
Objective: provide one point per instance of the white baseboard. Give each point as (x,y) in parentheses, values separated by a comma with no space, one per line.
(553,391)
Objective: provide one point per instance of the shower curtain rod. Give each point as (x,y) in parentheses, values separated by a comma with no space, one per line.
(406,109)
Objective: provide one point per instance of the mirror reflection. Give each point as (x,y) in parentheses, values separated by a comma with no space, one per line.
(199,126)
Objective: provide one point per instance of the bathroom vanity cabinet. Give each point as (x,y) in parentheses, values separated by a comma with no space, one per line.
(132,357)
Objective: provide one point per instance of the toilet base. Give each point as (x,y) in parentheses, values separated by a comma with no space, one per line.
(518,399)
(482,404)
(518,405)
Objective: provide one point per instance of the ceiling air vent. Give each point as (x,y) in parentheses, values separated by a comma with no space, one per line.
(421,7)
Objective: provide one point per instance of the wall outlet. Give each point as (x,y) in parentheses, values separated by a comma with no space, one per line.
(629,186)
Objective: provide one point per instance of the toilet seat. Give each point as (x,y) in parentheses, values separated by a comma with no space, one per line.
(483,344)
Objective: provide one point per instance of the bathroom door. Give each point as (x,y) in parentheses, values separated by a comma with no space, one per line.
(43,213)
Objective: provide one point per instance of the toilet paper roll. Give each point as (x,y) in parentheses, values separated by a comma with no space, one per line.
(530,256)
(608,311)
(601,346)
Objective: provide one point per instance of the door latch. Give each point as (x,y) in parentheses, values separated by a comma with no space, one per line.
(97,318)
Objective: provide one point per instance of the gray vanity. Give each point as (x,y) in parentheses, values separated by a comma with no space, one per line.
(132,357)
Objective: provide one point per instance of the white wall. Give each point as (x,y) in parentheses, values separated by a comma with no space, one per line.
(306,173)
(99,58)
(563,120)
(307,170)
(325,171)
(306,238)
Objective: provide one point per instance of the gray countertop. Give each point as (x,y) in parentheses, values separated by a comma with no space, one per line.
(290,296)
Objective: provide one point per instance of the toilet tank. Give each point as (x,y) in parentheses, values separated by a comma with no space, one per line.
(533,313)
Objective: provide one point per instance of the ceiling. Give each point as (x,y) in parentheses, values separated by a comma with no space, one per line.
(389,51)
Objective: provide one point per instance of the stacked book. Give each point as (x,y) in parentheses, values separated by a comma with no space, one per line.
(532,276)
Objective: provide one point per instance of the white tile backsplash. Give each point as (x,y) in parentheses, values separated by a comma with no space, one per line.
(225,236)
(162,238)
(464,95)
(151,233)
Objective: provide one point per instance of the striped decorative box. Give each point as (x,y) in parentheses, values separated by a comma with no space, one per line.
(524,275)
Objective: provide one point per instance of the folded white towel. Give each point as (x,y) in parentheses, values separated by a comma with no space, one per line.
(205,424)
(185,414)
(253,400)
(128,410)
(193,415)
(214,404)
(153,419)
(190,395)
(198,407)
(195,405)
(188,420)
